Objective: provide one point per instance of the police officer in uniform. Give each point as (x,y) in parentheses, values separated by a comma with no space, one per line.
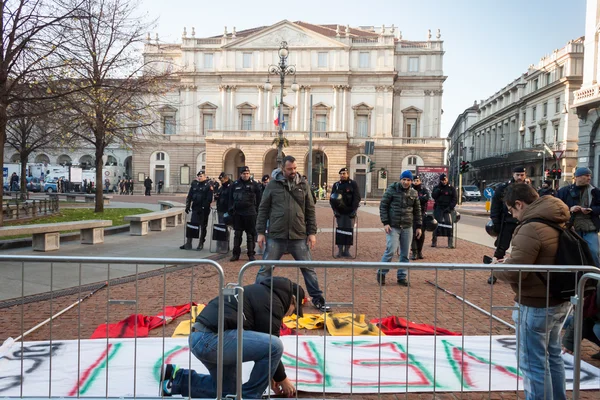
(417,242)
(244,197)
(222,196)
(198,199)
(344,200)
(504,223)
(445,200)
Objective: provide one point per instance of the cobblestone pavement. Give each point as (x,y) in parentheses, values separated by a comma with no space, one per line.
(421,302)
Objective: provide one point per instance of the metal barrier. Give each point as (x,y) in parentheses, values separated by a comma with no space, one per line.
(166,265)
(578,328)
(327,265)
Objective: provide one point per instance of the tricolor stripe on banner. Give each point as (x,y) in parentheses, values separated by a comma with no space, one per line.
(90,374)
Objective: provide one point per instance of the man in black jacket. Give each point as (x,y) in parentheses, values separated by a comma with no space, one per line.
(504,223)
(261,343)
(244,198)
(417,242)
(198,199)
(546,189)
(445,200)
(147,186)
(344,200)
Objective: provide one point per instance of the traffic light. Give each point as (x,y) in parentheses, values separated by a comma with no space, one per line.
(464,166)
(371,166)
(553,173)
(558,173)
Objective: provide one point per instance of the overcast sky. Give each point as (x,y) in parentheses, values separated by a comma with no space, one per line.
(488,43)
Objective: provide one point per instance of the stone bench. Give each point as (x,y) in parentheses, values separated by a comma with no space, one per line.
(46,237)
(88,198)
(166,204)
(156,221)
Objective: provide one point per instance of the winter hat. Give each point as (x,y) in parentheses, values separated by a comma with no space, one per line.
(406,174)
(582,171)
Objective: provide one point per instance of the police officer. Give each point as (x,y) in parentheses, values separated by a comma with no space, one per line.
(344,200)
(244,197)
(417,243)
(198,199)
(444,195)
(504,223)
(222,196)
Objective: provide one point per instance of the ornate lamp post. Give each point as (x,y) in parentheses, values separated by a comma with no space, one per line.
(281,69)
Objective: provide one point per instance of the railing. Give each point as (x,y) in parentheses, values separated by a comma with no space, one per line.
(404,44)
(360,362)
(365,40)
(270,135)
(17,209)
(587,95)
(208,41)
(405,141)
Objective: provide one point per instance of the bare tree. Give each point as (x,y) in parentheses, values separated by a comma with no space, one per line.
(113,88)
(32,31)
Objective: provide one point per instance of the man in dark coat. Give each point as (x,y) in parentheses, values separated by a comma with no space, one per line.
(147,186)
(244,198)
(198,200)
(504,223)
(344,200)
(265,305)
(417,243)
(445,201)
(546,189)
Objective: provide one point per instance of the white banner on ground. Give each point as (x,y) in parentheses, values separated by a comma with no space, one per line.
(323,364)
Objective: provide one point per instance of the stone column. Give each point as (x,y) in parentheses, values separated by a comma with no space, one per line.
(259,111)
(344,107)
(296,126)
(233,124)
(269,107)
(223,110)
(307,110)
(334,111)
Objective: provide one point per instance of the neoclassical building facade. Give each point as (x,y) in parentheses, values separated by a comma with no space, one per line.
(366,84)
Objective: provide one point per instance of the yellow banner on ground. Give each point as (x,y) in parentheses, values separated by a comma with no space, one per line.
(185,327)
(309,321)
(342,324)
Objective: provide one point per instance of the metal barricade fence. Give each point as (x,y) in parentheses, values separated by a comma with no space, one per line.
(57,272)
(353,266)
(578,312)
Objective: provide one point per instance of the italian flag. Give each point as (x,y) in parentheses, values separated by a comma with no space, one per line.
(276,121)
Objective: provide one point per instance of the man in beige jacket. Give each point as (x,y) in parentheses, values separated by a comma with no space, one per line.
(538,320)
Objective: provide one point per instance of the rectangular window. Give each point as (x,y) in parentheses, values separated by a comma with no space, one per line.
(208,60)
(246,122)
(557,105)
(545,109)
(532,134)
(544,138)
(322,59)
(321,123)
(555,138)
(534,113)
(413,64)
(411,127)
(169,125)
(285,121)
(208,122)
(362,126)
(535,85)
(247,60)
(363,59)
(548,78)
(561,71)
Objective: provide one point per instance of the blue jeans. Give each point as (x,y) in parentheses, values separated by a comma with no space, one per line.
(276,248)
(256,348)
(592,240)
(538,338)
(398,237)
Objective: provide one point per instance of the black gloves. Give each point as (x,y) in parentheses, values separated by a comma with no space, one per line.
(353,214)
(187,210)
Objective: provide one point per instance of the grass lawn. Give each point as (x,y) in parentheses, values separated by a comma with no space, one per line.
(116,215)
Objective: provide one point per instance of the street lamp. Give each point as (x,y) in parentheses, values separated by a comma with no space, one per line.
(281,69)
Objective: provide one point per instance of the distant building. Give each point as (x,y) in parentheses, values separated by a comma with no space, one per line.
(367,83)
(525,123)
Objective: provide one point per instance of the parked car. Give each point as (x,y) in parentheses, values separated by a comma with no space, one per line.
(471,193)
(34,185)
(50,186)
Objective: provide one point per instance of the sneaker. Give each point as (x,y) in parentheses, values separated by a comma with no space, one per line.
(381,279)
(167,374)
(492,279)
(320,305)
(402,282)
(234,258)
(187,246)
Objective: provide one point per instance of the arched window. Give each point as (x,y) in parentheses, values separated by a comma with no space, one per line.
(160,156)
(201,162)
(411,162)
(42,158)
(111,160)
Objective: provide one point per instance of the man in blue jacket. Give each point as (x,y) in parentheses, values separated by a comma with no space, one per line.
(583,201)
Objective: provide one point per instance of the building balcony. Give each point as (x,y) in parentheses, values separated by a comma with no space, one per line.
(430,142)
(588,97)
(268,136)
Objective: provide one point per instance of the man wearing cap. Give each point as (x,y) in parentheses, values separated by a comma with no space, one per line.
(445,200)
(583,201)
(264,182)
(265,305)
(546,189)
(244,199)
(417,242)
(198,199)
(344,200)
(399,211)
(504,223)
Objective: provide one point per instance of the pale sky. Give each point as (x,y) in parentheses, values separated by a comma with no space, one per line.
(488,43)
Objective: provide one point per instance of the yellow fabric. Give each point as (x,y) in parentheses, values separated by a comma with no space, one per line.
(340,324)
(185,327)
(309,321)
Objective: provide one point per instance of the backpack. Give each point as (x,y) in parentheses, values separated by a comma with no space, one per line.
(572,250)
